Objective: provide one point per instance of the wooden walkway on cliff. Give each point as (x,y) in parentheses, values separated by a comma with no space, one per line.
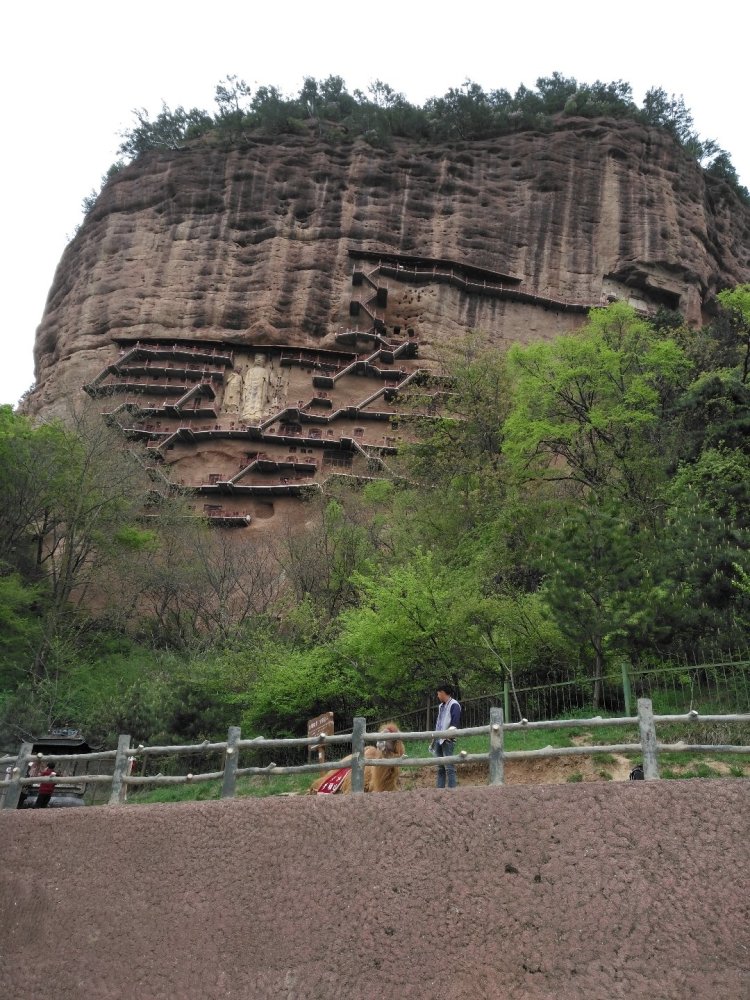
(466,277)
(148,369)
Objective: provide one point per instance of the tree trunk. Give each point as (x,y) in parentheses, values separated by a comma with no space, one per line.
(596,642)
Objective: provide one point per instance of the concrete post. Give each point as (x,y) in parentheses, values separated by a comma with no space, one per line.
(119,788)
(497,764)
(358,756)
(648,739)
(231,762)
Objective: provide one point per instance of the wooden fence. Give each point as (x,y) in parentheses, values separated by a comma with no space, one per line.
(120,779)
(710,686)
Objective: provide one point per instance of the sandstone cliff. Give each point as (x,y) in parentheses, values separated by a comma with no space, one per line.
(372,257)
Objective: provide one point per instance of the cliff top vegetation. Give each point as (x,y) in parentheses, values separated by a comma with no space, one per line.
(464,113)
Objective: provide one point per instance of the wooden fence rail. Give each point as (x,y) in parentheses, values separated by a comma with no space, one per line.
(496,755)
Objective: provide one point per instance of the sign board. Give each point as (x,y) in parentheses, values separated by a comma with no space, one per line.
(321,725)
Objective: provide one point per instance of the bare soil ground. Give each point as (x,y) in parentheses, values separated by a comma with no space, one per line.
(532,772)
(592,890)
(554,771)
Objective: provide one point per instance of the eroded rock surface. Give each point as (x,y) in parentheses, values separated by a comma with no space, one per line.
(317,245)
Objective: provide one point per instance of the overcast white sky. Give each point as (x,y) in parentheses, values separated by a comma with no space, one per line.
(72,73)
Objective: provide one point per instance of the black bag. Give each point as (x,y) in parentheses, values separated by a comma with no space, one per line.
(637,773)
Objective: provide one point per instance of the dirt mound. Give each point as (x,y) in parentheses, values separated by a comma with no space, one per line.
(594,890)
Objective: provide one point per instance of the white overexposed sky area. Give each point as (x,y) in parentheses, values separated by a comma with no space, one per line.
(72,73)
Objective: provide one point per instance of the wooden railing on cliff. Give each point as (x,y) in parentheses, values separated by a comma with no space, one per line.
(374,304)
(120,780)
(470,279)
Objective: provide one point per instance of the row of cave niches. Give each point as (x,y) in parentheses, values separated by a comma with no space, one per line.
(315,414)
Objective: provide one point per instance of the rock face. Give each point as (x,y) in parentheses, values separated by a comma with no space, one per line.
(295,287)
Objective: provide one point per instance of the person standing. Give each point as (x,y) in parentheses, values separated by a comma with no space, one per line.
(46,788)
(449,717)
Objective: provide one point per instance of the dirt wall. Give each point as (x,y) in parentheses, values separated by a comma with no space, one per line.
(610,890)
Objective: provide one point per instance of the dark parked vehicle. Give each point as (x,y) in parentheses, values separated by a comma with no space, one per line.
(55,746)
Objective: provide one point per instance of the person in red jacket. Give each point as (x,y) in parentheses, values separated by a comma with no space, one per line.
(46,788)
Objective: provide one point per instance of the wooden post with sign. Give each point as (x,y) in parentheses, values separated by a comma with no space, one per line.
(320,726)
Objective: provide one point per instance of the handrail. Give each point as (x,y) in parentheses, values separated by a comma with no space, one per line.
(519,293)
(125,755)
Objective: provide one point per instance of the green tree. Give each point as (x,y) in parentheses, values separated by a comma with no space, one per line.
(271,110)
(713,412)
(33,461)
(169,130)
(613,100)
(68,492)
(598,585)
(464,112)
(721,166)
(161,585)
(461,452)
(320,561)
(706,546)
(99,488)
(413,625)
(20,628)
(588,408)
(233,99)
(736,302)
(555,91)
(672,114)
(297,684)
(337,103)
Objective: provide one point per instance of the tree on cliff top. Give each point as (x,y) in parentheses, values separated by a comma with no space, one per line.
(467,112)
(169,130)
(672,114)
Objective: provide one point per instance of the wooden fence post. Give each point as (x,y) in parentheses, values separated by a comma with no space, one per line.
(13,791)
(119,788)
(648,739)
(231,763)
(497,764)
(358,755)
